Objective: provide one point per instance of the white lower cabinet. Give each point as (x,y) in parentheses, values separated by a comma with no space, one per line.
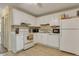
(48,39)
(17,42)
(40,38)
(44,38)
(37,37)
(53,40)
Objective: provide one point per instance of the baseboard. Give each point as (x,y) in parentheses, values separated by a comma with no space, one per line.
(69,52)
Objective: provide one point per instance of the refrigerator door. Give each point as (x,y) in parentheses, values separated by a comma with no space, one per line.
(69,41)
(70,23)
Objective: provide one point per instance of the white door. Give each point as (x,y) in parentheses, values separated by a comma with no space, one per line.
(69,41)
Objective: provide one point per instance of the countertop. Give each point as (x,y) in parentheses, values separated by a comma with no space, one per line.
(47,33)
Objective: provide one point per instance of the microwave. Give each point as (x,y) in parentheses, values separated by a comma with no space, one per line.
(56,30)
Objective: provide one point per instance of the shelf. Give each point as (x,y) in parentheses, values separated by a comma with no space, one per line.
(70,17)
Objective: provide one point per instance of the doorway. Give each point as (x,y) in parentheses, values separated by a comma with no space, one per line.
(2,35)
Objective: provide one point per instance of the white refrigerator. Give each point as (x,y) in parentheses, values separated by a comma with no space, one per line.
(69,38)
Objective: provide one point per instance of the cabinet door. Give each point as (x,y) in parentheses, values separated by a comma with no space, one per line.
(17,17)
(19,43)
(44,38)
(42,20)
(53,40)
(54,21)
(36,38)
(26,19)
(38,22)
(39,38)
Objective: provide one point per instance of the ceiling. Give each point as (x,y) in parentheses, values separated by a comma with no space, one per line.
(39,9)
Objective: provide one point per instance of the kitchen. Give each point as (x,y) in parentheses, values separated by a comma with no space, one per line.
(22,31)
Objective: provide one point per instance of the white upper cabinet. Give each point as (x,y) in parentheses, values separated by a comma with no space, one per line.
(54,21)
(16,17)
(19,17)
(48,19)
(43,20)
(32,21)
